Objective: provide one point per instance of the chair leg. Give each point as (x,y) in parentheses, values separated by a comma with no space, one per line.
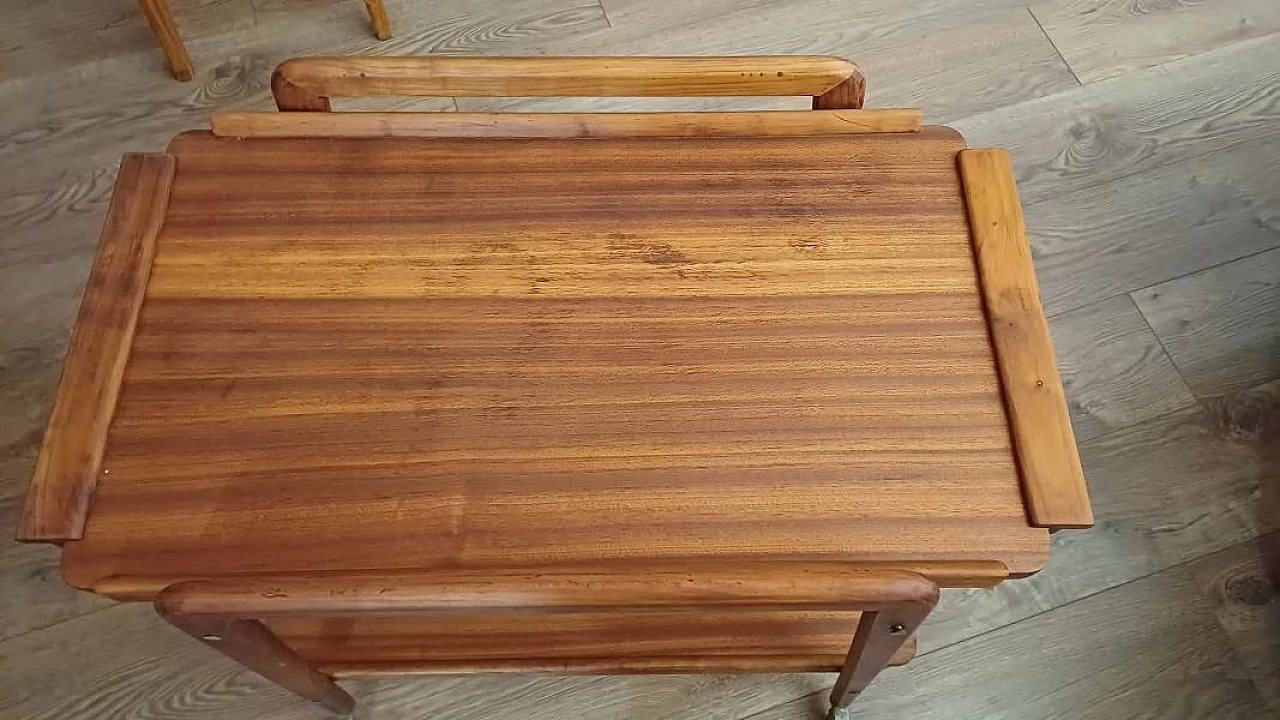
(878,637)
(254,646)
(160,18)
(378,16)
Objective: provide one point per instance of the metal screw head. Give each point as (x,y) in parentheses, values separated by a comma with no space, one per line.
(896,629)
(211,638)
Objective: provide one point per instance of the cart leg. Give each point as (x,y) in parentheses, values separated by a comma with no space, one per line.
(378,17)
(878,637)
(160,18)
(253,645)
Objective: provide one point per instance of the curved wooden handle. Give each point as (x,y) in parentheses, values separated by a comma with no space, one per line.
(761,585)
(306,84)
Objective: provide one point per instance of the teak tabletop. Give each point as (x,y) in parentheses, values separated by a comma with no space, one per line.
(498,349)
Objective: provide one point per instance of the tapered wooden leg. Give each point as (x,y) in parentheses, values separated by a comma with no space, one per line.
(879,635)
(253,645)
(160,17)
(378,16)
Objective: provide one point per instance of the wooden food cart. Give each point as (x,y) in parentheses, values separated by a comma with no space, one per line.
(360,394)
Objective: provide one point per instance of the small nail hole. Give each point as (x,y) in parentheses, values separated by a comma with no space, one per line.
(896,629)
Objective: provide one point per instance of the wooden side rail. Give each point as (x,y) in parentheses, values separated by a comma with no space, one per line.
(227,614)
(565,125)
(307,84)
(70,460)
(1052,480)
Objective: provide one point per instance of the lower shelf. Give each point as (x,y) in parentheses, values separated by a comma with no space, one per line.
(608,666)
(667,641)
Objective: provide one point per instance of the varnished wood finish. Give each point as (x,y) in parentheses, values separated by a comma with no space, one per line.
(1053,480)
(463,475)
(656,341)
(807,661)
(378,19)
(880,636)
(253,645)
(561,125)
(70,460)
(309,83)
(160,17)
(759,585)
(652,640)
(714,617)
(849,94)
(1128,182)
(949,573)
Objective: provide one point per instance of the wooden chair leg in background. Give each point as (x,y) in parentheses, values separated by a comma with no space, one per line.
(879,635)
(160,18)
(378,17)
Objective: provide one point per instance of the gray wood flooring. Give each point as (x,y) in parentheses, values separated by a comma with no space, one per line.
(1146,136)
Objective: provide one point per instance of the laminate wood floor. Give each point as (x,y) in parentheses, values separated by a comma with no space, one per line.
(1147,141)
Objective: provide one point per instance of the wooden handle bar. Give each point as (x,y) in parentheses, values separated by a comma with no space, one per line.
(305,84)
(749,585)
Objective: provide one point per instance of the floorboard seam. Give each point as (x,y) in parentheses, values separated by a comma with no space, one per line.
(42,628)
(1054,45)
(1129,293)
(1174,566)
(1200,398)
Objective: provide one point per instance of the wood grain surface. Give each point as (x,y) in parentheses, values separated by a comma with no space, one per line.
(881,634)
(160,17)
(83,83)
(70,461)
(1240,302)
(1211,484)
(1181,217)
(154,670)
(1242,585)
(752,585)
(1052,480)
(629,642)
(609,663)
(253,645)
(1145,633)
(1114,370)
(309,83)
(378,18)
(560,125)
(1140,122)
(687,616)
(595,373)
(1103,39)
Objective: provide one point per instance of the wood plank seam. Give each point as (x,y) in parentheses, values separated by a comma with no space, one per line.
(68,466)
